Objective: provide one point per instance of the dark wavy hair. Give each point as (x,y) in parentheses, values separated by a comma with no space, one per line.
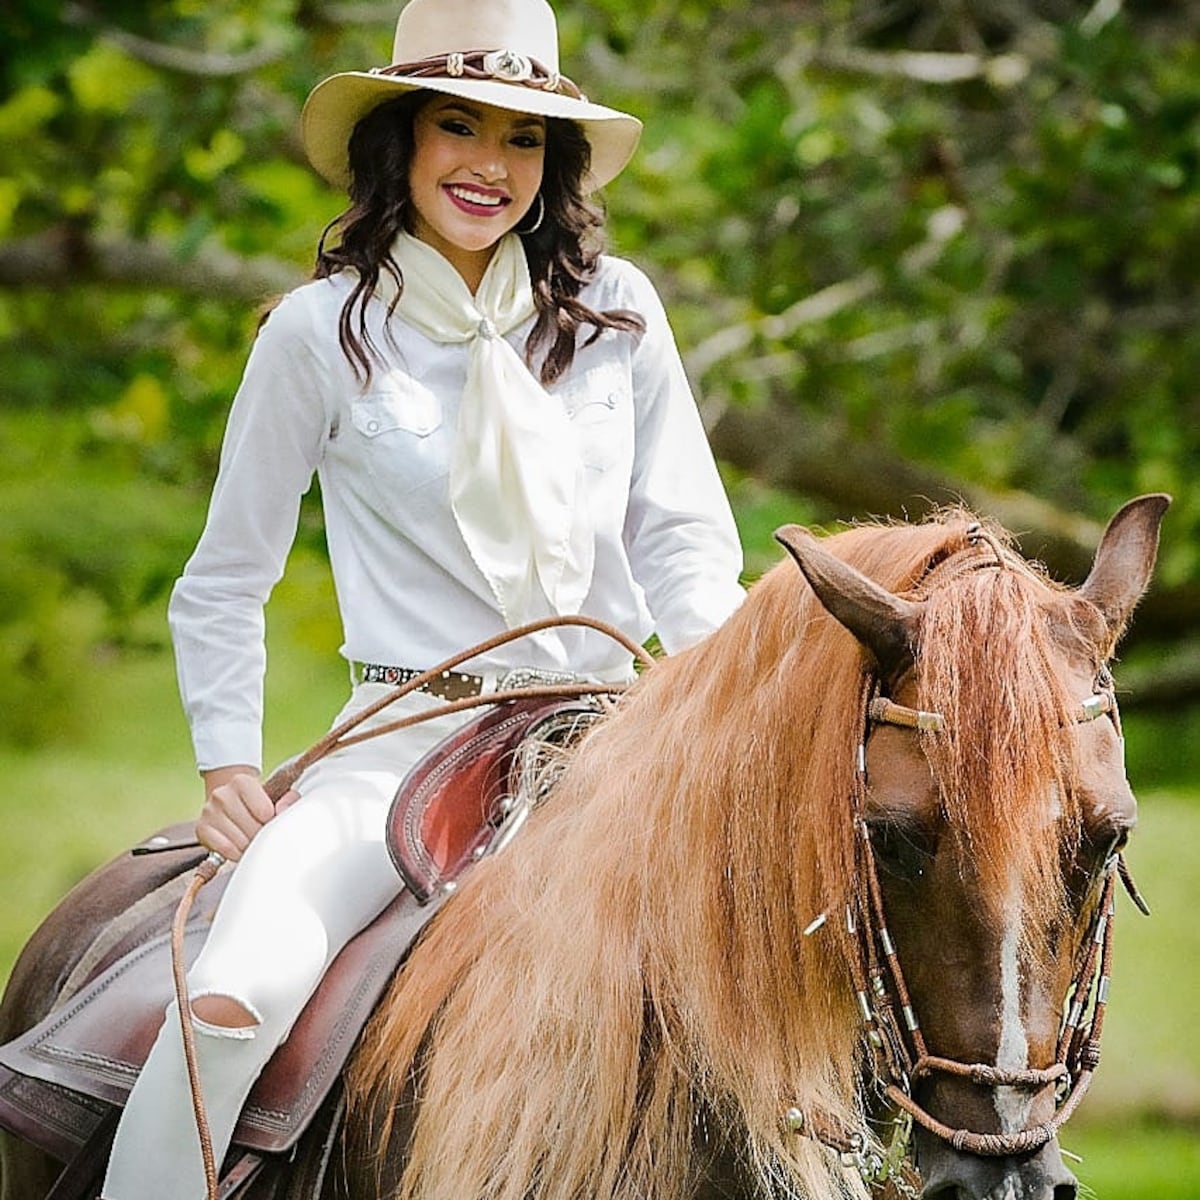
(562,252)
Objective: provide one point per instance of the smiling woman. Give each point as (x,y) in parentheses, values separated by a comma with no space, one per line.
(503,433)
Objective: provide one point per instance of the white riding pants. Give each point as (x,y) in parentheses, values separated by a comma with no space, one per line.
(311,879)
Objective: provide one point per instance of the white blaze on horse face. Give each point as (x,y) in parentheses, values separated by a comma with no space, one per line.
(1012,1054)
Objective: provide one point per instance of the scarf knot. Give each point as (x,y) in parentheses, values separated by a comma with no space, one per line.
(517,481)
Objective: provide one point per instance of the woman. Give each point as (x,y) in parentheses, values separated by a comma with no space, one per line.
(502,431)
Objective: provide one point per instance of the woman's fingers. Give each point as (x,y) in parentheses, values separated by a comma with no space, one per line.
(234,811)
(286,800)
(211,837)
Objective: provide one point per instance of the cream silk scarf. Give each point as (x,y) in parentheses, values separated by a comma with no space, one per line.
(516,476)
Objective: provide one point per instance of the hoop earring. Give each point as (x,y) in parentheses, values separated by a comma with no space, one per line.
(540,218)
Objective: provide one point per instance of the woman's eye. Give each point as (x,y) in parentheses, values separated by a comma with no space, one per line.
(527,141)
(461,128)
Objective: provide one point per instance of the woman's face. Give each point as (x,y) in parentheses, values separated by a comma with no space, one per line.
(475,173)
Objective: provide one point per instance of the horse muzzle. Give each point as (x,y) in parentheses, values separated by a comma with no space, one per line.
(950,1174)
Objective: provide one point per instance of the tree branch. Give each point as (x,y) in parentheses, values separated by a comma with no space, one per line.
(1100,14)
(823,304)
(779,445)
(185,61)
(66,258)
(855,478)
(817,306)
(925,66)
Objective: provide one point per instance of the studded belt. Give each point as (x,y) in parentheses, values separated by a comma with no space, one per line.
(457,685)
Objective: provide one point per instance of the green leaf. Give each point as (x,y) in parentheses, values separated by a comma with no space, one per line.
(105,80)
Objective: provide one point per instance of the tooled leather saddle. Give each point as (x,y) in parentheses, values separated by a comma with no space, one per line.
(62,1082)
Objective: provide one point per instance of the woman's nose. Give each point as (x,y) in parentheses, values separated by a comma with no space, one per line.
(488,164)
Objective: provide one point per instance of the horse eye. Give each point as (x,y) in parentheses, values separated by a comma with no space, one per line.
(1103,843)
(901,851)
(1094,855)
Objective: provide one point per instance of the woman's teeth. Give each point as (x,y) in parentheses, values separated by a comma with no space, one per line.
(476,197)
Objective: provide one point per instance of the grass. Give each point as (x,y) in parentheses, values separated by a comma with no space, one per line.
(127,771)
(1136,1161)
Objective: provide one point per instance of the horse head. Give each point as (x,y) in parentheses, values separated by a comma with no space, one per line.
(991,806)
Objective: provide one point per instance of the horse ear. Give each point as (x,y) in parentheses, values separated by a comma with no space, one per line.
(883,623)
(1124,561)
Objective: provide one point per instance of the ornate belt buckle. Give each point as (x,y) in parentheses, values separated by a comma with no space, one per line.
(527,677)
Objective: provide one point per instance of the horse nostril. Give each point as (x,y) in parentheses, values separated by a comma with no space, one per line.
(954,1191)
(948,1191)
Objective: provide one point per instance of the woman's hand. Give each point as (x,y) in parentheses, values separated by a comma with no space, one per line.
(235,808)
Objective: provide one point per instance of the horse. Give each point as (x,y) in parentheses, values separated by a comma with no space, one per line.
(801,917)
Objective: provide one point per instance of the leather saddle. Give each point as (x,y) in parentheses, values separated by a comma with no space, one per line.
(60,1080)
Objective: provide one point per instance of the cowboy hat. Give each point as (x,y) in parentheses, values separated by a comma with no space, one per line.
(437,46)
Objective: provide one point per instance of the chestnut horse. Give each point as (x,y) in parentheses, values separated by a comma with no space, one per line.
(678,980)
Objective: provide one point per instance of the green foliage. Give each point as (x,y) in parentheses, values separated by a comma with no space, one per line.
(963,235)
(86,546)
(45,644)
(760,511)
(1163,748)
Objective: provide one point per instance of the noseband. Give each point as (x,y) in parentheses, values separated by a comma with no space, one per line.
(898,1055)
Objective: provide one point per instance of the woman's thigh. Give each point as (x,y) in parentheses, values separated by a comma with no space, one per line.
(314,875)
(311,879)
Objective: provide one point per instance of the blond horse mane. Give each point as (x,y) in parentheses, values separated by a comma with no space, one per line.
(635,963)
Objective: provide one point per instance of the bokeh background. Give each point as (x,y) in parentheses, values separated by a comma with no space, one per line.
(913,252)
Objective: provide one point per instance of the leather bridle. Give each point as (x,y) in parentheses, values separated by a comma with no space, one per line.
(897,1053)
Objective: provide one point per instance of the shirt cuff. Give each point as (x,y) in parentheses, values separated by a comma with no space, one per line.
(222,744)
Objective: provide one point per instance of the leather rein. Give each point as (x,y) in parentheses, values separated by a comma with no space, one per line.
(898,1055)
(282,779)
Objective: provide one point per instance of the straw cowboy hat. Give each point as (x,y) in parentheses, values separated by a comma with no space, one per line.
(500,52)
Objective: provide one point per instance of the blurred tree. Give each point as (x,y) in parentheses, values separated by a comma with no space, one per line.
(914,252)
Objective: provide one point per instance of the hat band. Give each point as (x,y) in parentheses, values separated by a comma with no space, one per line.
(506,66)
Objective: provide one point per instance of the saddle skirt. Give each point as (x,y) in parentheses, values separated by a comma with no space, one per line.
(59,1079)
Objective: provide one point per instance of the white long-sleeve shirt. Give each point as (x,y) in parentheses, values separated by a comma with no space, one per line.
(667,555)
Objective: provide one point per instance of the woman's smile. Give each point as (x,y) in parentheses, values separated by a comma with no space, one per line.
(478,201)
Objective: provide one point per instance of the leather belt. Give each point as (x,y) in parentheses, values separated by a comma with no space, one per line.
(450,685)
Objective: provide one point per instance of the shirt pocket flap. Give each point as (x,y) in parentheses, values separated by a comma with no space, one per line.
(600,410)
(409,407)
